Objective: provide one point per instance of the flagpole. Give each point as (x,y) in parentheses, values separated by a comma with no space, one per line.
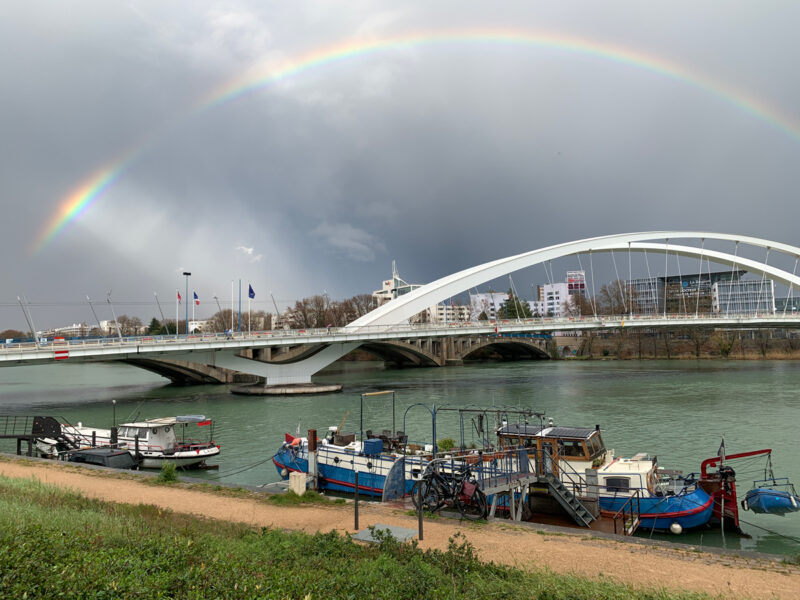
(231,306)
(194,303)
(240,306)
(248,314)
(177,312)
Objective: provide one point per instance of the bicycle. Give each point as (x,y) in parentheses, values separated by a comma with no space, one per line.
(457,489)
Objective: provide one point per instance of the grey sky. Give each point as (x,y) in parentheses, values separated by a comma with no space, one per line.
(440,155)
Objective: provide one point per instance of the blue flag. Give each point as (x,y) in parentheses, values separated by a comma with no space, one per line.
(251,293)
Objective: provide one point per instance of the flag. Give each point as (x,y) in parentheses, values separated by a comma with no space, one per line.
(196,299)
(721,451)
(251,293)
(179,297)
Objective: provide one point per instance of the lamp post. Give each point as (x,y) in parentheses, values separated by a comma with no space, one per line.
(186,274)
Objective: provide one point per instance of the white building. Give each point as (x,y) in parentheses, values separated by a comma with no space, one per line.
(751,296)
(553,298)
(440,313)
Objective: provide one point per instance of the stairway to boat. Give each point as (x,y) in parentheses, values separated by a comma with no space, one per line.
(32,428)
(568,501)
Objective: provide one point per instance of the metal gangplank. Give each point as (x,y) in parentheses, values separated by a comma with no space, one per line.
(504,473)
(29,429)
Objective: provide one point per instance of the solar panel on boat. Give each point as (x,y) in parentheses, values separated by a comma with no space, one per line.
(558,432)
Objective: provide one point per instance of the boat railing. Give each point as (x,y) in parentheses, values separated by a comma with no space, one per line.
(488,468)
(626,519)
(568,475)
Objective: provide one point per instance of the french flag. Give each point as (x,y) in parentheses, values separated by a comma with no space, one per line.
(196,299)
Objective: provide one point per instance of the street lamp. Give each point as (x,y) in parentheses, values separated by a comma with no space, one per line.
(187,274)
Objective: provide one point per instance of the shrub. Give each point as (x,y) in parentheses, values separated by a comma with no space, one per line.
(167,474)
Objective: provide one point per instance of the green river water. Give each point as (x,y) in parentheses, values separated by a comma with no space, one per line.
(677,410)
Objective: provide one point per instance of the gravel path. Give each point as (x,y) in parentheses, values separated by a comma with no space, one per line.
(641,565)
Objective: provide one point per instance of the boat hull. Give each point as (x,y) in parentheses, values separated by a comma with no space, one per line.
(769,501)
(689,510)
(371,477)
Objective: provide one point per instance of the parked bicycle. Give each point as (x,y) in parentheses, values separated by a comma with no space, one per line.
(455,488)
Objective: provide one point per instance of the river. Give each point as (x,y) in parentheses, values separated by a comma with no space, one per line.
(677,410)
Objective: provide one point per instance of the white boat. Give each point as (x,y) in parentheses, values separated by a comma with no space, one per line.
(154,442)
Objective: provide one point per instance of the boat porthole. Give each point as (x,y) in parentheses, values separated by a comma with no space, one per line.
(166,429)
(336,459)
(369,465)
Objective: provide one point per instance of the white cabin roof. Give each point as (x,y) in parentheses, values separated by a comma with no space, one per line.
(162,421)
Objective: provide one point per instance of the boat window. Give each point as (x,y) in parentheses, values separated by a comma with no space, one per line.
(596,445)
(574,448)
(618,484)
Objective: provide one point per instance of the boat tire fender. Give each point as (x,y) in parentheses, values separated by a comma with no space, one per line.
(745,505)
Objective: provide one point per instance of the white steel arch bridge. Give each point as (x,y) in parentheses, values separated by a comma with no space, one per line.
(390,321)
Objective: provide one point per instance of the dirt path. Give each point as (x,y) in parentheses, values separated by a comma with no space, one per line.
(502,542)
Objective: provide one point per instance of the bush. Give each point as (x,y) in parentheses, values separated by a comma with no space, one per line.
(167,474)
(446,444)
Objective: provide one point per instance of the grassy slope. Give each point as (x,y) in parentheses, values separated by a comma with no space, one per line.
(55,543)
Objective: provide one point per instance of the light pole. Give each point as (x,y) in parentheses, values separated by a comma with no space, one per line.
(187,274)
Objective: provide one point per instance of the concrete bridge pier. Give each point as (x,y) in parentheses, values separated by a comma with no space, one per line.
(298,372)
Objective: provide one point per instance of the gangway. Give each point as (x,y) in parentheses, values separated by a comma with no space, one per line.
(29,429)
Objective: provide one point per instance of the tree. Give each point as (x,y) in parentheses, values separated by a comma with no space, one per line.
(11,333)
(155,327)
(578,305)
(514,308)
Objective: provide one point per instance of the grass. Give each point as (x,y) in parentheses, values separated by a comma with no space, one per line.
(289,498)
(56,543)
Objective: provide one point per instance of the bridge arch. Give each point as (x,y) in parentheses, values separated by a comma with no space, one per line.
(404,307)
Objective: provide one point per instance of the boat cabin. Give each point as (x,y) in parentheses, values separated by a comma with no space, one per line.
(575,444)
(159,434)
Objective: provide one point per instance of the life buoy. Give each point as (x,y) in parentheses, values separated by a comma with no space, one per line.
(297,441)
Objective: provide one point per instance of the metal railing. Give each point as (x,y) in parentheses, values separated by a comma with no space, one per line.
(347,333)
(626,519)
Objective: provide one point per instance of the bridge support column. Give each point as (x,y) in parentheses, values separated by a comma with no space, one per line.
(274,374)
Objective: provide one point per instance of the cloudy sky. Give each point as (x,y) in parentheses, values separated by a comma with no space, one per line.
(440,135)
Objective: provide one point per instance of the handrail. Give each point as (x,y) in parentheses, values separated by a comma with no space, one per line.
(620,515)
(325,335)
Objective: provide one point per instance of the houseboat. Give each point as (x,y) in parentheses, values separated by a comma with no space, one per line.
(153,442)
(578,457)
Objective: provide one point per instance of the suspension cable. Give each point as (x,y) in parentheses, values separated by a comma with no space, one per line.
(591,268)
(680,278)
(791,284)
(630,282)
(619,284)
(730,284)
(652,294)
(700,277)
(761,285)
(666,266)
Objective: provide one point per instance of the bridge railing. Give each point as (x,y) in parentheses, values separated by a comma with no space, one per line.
(326,334)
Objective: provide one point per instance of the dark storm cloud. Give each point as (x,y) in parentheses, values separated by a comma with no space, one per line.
(440,156)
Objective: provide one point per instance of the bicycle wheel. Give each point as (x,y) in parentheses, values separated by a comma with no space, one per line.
(475,507)
(431,501)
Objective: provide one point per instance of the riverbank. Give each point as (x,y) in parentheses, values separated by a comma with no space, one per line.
(643,566)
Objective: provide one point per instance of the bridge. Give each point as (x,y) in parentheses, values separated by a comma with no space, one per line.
(386,330)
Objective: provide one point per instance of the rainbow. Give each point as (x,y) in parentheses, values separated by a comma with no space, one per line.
(256,79)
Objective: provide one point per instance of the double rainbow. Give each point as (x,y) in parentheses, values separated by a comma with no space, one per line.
(82,197)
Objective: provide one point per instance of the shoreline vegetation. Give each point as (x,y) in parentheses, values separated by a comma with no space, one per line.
(55,542)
